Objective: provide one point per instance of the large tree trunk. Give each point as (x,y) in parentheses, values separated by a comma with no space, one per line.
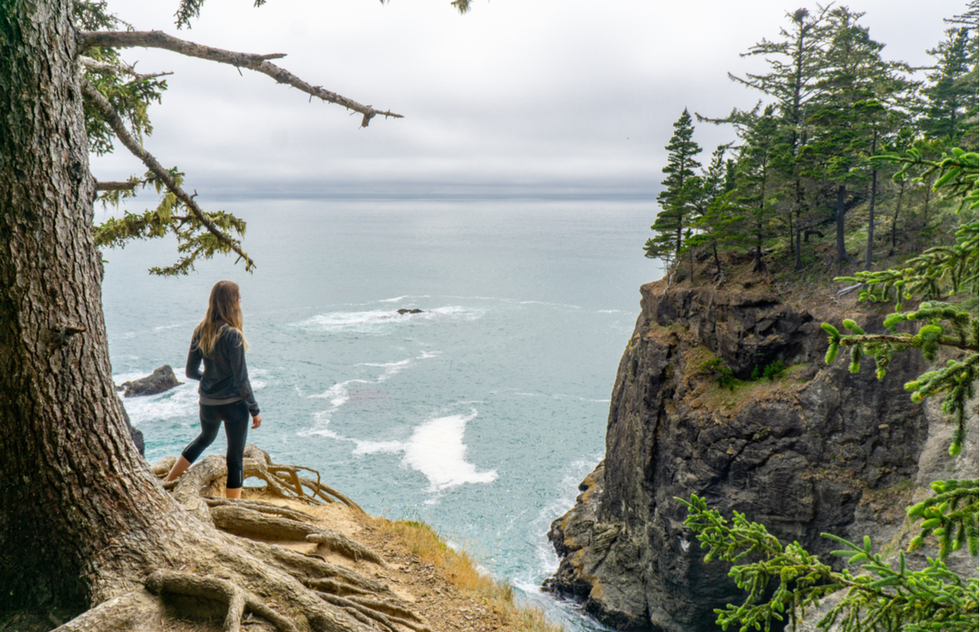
(82,518)
(75,497)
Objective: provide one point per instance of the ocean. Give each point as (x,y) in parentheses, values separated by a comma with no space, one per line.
(478,415)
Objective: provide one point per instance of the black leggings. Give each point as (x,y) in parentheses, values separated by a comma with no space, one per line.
(235,416)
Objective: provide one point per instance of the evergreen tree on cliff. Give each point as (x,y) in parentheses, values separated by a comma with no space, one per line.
(952,95)
(84,525)
(681,190)
(796,62)
(844,115)
(717,219)
(754,180)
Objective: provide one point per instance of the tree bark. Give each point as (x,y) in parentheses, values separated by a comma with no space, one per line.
(77,503)
(840,211)
(871,206)
(898,209)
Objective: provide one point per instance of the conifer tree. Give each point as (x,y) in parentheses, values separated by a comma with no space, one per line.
(681,192)
(796,63)
(716,219)
(755,180)
(952,95)
(846,114)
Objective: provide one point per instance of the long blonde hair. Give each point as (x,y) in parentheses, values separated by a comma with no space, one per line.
(224,310)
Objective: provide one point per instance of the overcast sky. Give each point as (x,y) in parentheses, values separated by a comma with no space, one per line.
(542,97)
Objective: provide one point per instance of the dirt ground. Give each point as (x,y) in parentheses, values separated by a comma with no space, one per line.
(423,586)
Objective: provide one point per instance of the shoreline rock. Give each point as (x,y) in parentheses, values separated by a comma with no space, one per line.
(162,379)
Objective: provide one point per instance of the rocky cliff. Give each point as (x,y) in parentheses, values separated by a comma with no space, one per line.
(817,449)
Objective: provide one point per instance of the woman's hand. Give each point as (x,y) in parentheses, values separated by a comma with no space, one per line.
(256,421)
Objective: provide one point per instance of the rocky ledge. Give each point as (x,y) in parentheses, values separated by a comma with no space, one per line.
(817,449)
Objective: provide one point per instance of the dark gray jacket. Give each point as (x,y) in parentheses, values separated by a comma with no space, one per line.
(225,377)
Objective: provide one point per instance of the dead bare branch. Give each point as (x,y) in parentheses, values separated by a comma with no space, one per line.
(258,63)
(115,186)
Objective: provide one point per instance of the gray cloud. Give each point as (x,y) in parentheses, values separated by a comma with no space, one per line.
(526,98)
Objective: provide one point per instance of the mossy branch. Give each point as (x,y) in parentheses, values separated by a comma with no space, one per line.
(216,239)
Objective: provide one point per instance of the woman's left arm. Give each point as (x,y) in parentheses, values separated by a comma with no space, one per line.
(236,360)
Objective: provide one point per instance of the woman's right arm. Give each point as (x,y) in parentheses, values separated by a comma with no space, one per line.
(194,360)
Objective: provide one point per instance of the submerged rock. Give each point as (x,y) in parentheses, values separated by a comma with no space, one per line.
(816,450)
(162,379)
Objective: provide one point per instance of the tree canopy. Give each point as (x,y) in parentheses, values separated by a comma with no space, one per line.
(829,103)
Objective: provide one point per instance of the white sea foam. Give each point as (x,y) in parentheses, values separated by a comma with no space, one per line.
(436,449)
(374,447)
(399,299)
(381,320)
(390,368)
(165,327)
(562,500)
(349,321)
(338,394)
(320,427)
(181,401)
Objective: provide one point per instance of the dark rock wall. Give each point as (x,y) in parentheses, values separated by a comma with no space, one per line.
(804,454)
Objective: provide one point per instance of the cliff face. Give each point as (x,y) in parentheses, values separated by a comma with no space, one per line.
(817,450)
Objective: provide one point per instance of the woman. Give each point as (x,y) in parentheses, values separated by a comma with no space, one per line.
(226,394)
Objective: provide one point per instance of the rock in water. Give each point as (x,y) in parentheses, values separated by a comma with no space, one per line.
(135,433)
(817,450)
(409,311)
(162,379)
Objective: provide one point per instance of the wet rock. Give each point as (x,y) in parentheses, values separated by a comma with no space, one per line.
(162,379)
(409,311)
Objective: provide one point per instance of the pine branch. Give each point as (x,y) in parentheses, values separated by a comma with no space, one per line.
(258,63)
(103,105)
(876,596)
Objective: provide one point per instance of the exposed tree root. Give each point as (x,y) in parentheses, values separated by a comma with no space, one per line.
(284,480)
(233,575)
(340,543)
(238,601)
(136,611)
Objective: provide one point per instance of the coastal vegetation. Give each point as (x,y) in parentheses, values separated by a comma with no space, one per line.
(841,131)
(806,159)
(880,593)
